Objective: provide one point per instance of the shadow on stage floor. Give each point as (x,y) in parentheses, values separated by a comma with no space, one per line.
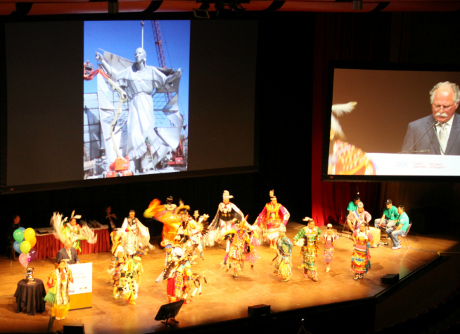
(336,301)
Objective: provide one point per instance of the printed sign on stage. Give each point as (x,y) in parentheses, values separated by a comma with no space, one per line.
(82,278)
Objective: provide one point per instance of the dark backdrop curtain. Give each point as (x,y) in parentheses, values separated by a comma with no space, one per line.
(342,37)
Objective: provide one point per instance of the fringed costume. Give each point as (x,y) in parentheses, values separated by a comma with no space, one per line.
(169,215)
(271,218)
(130,279)
(283,263)
(136,236)
(177,272)
(177,282)
(329,239)
(195,231)
(117,262)
(307,238)
(224,220)
(242,248)
(71,231)
(58,295)
(360,260)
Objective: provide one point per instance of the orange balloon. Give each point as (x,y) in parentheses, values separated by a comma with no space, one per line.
(32,242)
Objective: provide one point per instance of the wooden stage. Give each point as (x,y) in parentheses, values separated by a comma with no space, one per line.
(225,298)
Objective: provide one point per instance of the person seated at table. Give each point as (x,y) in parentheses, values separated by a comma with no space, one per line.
(67,254)
(402,224)
(389,217)
(111,220)
(353,205)
(388,220)
(355,218)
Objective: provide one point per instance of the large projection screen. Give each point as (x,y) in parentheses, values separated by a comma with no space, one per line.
(370,113)
(54,139)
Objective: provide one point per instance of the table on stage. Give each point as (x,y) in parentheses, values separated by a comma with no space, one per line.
(30,296)
(48,245)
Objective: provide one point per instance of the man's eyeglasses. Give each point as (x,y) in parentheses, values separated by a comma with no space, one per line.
(446,108)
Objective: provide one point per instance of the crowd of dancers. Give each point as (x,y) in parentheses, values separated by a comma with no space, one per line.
(184,239)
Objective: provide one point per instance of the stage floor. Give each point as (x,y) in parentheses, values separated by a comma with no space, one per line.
(223,297)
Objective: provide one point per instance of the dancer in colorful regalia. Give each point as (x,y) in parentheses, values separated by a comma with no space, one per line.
(117,263)
(177,271)
(360,260)
(271,218)
(71,231)
(224,220)
(130,279)
(283,263)
(195,230)
(171,219)
(307,239)
(241,249)
(136,236)
(58,295)
(329,239)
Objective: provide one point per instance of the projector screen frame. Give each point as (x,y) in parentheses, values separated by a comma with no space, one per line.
(342,65)
(11,189)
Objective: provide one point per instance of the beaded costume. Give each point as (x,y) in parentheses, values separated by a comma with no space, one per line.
(360,260)
(306,238)
(58,295)
(283,264)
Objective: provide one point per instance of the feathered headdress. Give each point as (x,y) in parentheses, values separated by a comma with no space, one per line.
(337,111)
(74,216)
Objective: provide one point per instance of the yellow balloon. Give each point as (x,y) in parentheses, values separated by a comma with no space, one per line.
(25,247)
(32,242)
(29,233)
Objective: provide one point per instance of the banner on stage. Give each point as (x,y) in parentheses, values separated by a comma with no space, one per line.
(82,278)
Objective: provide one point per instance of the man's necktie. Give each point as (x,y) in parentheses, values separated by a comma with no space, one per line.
(443,137)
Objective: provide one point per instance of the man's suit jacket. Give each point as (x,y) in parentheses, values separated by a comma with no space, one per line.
(62,255)
(429,141)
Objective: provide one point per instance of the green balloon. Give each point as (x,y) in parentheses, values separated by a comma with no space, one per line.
(18,235)
(25,247)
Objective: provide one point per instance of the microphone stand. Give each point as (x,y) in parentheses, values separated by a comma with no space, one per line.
(421,151)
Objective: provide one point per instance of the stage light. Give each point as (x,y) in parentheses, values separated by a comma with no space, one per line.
(202,12)
(229,6)
(113,7)
(219,6)
(357,4)
(236,7)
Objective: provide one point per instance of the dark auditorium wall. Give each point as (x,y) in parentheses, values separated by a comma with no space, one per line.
(284,109)
(283,103)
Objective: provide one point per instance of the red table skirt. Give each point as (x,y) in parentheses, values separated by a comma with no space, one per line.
(48,245)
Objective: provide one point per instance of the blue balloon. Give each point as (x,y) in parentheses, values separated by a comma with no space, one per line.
(17,247)
(22,229)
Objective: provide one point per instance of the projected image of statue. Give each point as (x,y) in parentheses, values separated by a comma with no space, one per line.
(146,146)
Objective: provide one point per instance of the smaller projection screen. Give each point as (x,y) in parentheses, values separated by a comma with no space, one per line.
(383,124)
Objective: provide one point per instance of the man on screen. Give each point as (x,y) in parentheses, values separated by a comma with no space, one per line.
(437,133)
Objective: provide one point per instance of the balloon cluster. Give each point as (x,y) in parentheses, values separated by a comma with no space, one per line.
(24,244)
